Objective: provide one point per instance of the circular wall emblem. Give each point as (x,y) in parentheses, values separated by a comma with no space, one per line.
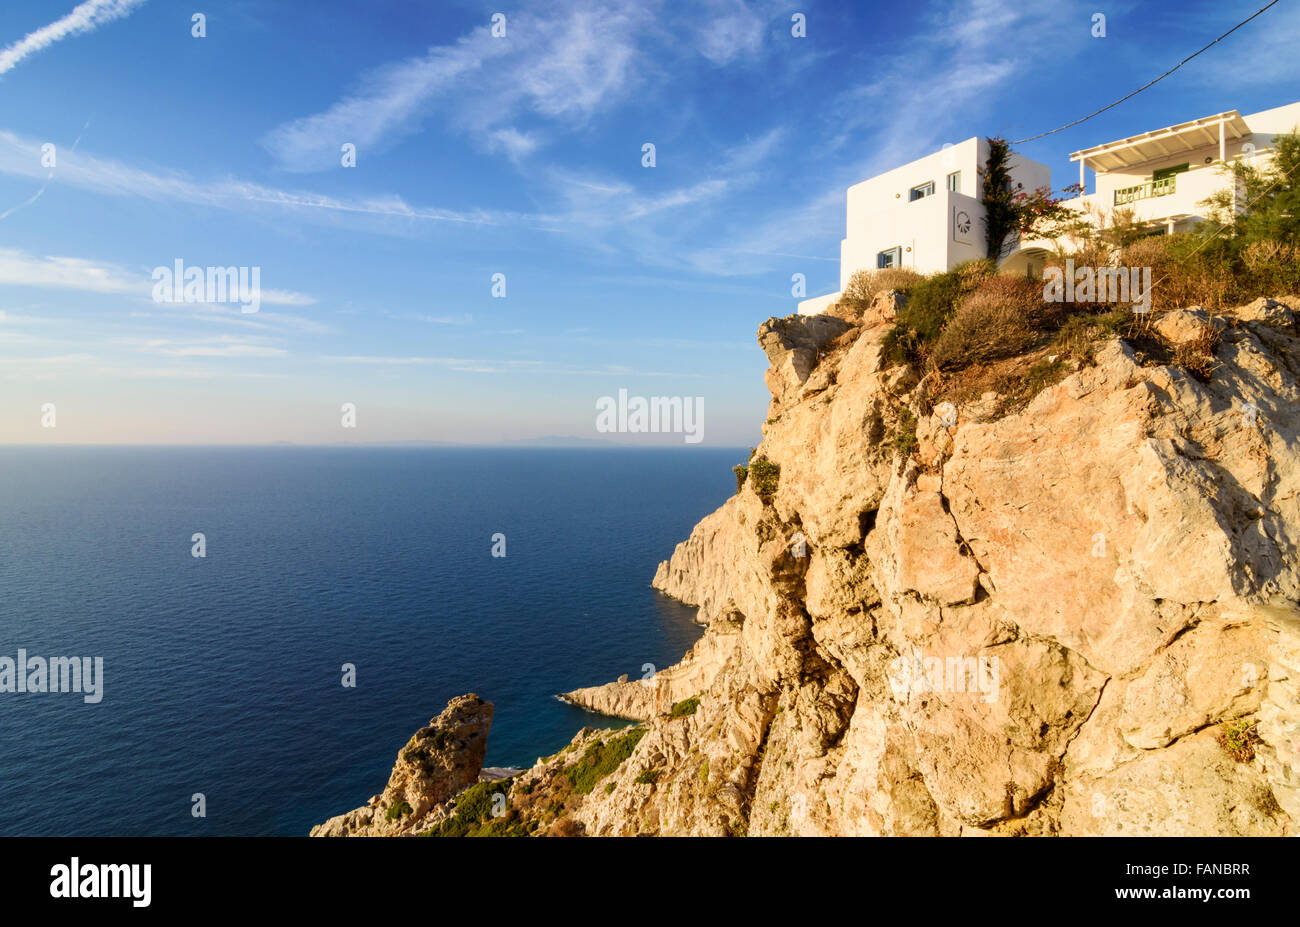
(963,222)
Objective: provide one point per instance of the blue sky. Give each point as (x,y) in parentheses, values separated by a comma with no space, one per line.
(478,155)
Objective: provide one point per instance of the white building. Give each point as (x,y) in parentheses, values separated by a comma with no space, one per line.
(927,215)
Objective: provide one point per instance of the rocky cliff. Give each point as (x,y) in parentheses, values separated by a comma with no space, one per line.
(950,616)
(437,763)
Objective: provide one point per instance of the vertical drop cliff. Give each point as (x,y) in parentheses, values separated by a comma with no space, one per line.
(1078,617)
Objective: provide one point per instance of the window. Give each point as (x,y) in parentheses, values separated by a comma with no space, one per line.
(1169,171)
(922,191)
(891,258)
(954,181)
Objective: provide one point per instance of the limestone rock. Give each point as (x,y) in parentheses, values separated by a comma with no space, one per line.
(437,762)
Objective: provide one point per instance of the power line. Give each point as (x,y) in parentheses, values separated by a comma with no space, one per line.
(1148,83)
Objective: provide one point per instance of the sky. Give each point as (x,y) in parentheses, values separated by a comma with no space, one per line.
(500,257)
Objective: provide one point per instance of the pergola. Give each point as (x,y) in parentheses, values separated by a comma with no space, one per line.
(1163,143)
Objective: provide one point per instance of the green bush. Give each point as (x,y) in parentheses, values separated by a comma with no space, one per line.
(1238,739)
(742,472)
(647,777)
(398,809)
(931,304)
(602,758)
(900,346)
(685,708)
(903,435)
(763,477)
(473,815)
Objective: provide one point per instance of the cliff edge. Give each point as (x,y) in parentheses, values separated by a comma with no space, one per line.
(1077,617)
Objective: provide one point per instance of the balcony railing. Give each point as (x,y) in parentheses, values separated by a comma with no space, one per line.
(1162,187)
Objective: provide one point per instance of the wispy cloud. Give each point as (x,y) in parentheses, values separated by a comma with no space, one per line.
(87,17)
(516,366)
(727,30)
(18,268)
(21,157)
(224,346)
(561,68)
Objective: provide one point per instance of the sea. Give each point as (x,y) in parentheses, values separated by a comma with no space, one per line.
(223,680)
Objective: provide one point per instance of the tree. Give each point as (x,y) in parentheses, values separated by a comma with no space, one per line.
(998,195)
(1262,203)
(1010,211)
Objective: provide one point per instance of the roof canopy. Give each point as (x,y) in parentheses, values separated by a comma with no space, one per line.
(1163,143)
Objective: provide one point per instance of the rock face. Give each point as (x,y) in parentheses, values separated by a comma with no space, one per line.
(1032,624)
(437,762)
(1081,617)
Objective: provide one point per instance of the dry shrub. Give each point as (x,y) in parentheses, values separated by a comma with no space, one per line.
(1272,268)
(973,274)
(865,285)
(1262,255)
(1196,355)
(1150,252)
(1002,318)
(565,827)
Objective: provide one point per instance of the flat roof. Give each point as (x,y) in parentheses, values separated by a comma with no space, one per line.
(1163,143)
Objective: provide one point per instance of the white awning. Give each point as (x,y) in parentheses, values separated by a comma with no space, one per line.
(1163,143)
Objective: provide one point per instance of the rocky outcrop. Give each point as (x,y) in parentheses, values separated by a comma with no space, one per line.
(437,763)
(656,694)
(1036,623)
(1079,617)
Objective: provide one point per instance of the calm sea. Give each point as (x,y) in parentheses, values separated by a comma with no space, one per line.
(222,675)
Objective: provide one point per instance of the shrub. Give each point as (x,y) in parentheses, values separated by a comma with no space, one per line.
(685,707)
(602,758)
(742,472)
(764,477)
(1271,268)
(865,285)
(903,435)
(565,827)
(931,304)
(398,809)
(1018,388)
(1078,336)
(647,777)
(974,272)
(934,300)
(1001,318)
(900,346)
(1196,355)
(1238,739)
(473,816)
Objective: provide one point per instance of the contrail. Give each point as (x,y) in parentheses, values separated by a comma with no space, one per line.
(13,209)
(87,17)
